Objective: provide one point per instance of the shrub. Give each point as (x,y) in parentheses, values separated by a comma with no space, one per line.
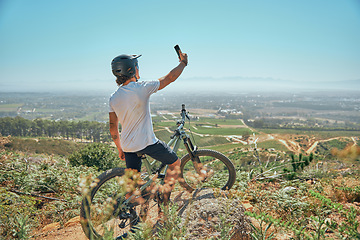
(98,155)
(42,145)
(14,209)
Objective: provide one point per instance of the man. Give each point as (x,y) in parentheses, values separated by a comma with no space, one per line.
(129,105)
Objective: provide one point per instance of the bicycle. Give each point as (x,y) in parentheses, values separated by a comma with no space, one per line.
(107,208)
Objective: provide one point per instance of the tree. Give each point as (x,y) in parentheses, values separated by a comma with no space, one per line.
(21,127)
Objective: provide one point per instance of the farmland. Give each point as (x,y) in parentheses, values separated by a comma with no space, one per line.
(293,122)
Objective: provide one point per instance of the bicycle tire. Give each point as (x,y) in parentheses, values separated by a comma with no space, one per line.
(91,229)
(223,170)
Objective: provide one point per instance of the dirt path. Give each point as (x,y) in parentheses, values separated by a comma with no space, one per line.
(314,145)
(290,145)
(70,232)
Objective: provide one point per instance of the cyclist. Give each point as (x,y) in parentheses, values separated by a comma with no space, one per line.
(129,105)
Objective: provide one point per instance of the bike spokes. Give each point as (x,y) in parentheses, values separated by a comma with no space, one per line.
(206,171)
(109,215)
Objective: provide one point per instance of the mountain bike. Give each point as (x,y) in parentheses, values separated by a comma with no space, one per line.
(108,210)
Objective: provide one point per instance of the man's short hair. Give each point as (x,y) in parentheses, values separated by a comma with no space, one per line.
(121,79)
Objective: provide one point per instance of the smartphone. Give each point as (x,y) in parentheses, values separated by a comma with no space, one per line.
(178,51)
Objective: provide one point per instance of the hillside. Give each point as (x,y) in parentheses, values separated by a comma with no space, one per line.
(262,159)
(296,157)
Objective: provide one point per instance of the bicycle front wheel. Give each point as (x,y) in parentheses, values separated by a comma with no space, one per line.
(103,211)
(208,168)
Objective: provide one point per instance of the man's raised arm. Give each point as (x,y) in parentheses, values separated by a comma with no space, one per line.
(175,73)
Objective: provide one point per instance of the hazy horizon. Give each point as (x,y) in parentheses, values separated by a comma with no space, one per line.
(190,85)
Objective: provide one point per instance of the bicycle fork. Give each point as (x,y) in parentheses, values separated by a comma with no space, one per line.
(200,169)
(190,148)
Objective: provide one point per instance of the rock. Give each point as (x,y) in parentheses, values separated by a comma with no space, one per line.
(72,222)
(212,214)
(248,207)
(289,189)
(51,227)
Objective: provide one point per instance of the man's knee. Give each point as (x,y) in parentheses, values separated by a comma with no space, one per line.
(177,163)
(175,168)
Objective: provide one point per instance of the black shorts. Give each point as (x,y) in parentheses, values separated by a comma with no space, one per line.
(159,151)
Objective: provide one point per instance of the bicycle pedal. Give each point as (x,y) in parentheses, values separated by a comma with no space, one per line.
(122,224)
(159,197)
(124,215)
(122,236)
(135,221)
(161,176)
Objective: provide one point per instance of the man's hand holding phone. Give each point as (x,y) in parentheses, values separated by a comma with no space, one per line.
(182,56)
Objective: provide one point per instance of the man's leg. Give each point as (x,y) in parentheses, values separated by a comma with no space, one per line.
(133,162)
(163,153)
(172,175)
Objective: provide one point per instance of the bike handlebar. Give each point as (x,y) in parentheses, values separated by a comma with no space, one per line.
(184,113)
(182,122)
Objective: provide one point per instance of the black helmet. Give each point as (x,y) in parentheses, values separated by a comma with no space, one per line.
(124,65)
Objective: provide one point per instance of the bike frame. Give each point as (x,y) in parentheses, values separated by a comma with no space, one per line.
(178,137)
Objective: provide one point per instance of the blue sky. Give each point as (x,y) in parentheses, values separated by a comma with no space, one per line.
(68,45)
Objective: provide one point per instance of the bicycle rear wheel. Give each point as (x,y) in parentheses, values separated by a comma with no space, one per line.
(208,168)
(103,212)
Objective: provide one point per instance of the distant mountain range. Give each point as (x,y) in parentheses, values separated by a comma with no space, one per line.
(190,85)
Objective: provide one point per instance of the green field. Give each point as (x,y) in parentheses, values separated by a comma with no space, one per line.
(164,135)
(46,110)
(10,107)
(226,148)
(220,130)
(318,134)
(272,144)
(219,121)
(166,124)
(212,126)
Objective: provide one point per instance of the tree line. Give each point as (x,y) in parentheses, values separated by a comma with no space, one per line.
(82,130)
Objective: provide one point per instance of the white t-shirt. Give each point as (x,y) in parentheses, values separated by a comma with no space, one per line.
(132,107)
